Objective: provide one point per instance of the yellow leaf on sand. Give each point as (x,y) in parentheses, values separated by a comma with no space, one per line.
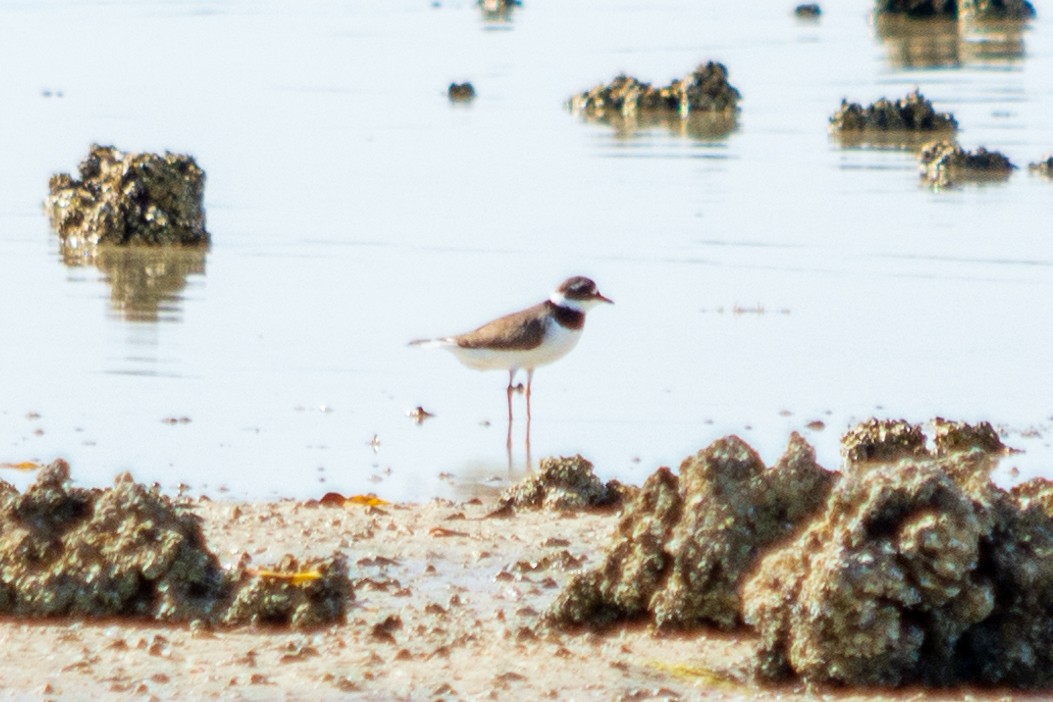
(335,498)
(699,674)
(22,465)
(300,578)
(367,500)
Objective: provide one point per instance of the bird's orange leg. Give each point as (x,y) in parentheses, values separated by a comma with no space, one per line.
(530,381)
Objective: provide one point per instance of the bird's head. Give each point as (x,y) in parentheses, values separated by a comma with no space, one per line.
(578,293)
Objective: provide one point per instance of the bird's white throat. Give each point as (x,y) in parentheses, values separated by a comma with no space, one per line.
(560,300)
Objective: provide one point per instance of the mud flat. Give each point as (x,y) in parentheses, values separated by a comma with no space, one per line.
(934,576)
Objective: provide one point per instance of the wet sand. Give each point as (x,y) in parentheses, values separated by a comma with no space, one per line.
(448,606)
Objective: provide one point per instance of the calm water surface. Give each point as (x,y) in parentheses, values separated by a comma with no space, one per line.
(764,278)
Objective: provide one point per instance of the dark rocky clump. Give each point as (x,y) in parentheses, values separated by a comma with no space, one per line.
(943,163)
(919,570)
(912,113)
(498,10)
(917,8)
(129,551)
(461,92)
(127,198)
(808,11)
(706,89)
(881,588)
(882,440)
(996,9)
(1043,167)
(954,437)
(683,544)
(121,551)
(1037,492)
(301,596)
(562,484)
(976,9)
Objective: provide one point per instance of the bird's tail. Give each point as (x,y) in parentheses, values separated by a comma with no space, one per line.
(431,343)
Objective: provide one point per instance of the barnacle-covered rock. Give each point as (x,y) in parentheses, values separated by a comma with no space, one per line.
(1043,167)
(882,440)
(973,9)
(561,484)
(635,564)
(129,198)
(130,551)
(461,92)
(942,163)
(121,551)
(1037,492)
(917,8)
(705,92)
(918,571)
(951,437)
(1014,644)
(881,587)
(683,544)
(292,594)
(912,113)
(996,9)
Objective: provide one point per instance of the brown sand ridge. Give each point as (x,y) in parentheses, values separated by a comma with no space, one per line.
(907,568)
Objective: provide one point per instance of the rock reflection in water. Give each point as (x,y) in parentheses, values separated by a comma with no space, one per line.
(949,43)
(705,126)
(145,281)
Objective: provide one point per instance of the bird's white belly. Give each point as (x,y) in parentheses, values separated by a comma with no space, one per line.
(557,343)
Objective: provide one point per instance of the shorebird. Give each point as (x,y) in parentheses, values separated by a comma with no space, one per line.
(526,339)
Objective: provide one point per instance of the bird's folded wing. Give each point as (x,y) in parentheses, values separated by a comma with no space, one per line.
(517,331)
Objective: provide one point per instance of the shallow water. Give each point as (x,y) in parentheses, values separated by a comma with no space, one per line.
(764,278)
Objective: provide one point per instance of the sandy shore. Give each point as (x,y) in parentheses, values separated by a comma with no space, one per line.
(447,607)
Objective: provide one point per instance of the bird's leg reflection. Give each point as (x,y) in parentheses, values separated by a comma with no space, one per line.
(508,440)
(529,417)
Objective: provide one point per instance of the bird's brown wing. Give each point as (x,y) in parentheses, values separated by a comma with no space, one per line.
(519,331)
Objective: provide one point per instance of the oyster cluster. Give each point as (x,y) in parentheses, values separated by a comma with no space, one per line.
(684,542)
(128,198)
(944,163)
(908,567)
(130,551)
(974,9)
(564,484)
(911,113)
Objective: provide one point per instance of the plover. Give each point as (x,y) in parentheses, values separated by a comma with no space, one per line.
(526,339)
